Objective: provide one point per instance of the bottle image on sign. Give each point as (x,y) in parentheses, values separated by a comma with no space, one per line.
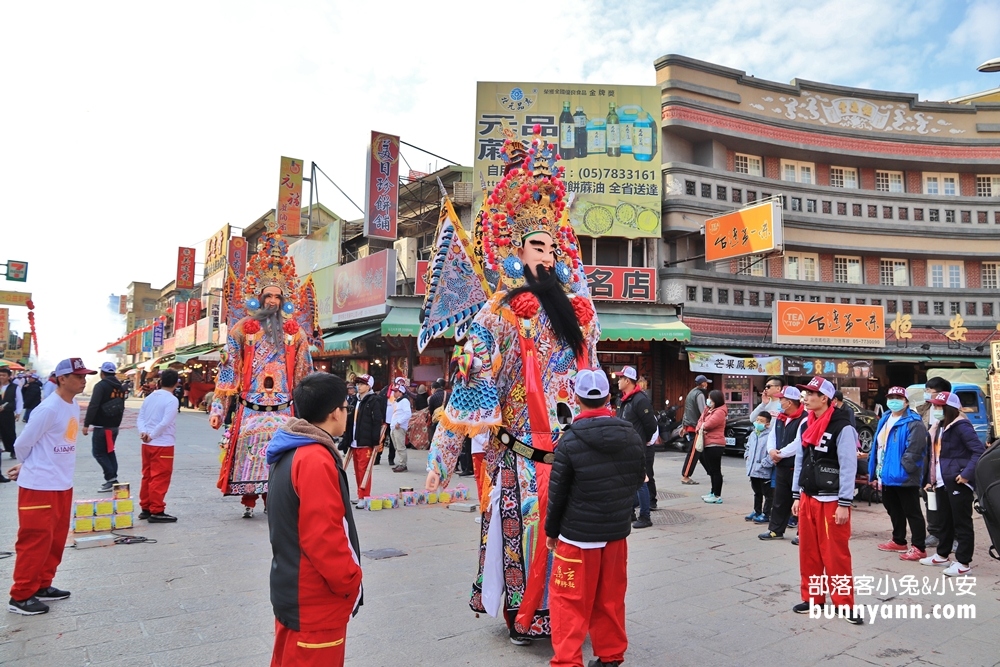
(580,119)
(597,136)
(613,129)
(627,115)
(567,134)
(642,138)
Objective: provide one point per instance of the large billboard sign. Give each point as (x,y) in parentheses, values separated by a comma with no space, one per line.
(607,137)
(361,287)
(846,325)
(752,230)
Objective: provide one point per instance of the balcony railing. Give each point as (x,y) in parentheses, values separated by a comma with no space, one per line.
(725,190)
(752,297)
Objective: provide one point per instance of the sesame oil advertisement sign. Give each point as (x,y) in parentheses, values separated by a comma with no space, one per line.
(361,287)
(607,139)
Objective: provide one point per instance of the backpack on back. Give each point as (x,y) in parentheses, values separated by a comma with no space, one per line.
(988,495)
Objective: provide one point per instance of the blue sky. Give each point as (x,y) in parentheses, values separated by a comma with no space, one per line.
(132,128)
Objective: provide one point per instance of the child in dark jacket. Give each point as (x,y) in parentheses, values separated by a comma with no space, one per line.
(599,465)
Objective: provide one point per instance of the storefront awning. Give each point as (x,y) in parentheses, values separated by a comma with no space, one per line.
(402,321)
(616,326)
(187,354)
(340,341)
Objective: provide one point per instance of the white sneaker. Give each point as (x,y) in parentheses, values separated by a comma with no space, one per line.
(360,505)
(956,569)
(935,560)
(708,497)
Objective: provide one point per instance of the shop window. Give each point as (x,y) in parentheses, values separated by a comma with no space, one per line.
(990,275)
(690,188)
(751,196)
(872,211)
(876,302)
(796,203)
(856,210)
(748,164)
(987,309)
(845,299)
(827,207)
(737,297)
(844,177)
(892,306)
(831,299)
(988,186)
(801,266)
(918,214)
(692,293)
(947,274)
(737,196)
(966,217)
(970,307)
(810,206)
(847,270)
(887,212)
(895,272)
(904,213)
(949,216)
(706,190)
(940,184)
(922,307)
(706,295)
(721,192)
(768,299)
(723,296)
(860,302)
(783,296)
(752,265)
(814,299)
(799,297)
(907,307)
(934,215)
(797,172)
(611,251)
(754,298)
(982,217)
(842,208)
(939,307)
(954,308)
(889,181)
(765,195)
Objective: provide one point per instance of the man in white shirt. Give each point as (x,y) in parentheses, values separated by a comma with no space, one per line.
(11,407)
(157,425)
(47,449)
(399,422)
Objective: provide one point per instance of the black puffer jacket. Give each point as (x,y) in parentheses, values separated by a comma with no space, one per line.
(369,416)
(638,411)
(599,465)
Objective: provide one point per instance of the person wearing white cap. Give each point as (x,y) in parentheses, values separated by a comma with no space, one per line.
(826,463)
(599,465)
(366,431)
(399,421)
(781,446)
(104,414)
(951,477)
(47,449)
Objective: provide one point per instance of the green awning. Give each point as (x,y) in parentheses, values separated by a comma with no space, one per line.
(188,353)
(402,322)
(340,341)
(615,326)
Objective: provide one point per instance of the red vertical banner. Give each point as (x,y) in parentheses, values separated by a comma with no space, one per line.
(382,187)
(123,304)
(193,311)
(180,315)
(185,268)
(288,211)
(238,256)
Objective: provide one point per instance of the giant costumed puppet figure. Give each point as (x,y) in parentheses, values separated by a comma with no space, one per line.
(271,322)
(518,295)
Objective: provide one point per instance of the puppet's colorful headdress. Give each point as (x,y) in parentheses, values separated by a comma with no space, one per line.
(529,198)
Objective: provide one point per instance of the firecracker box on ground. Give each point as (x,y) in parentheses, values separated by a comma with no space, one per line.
(104,514)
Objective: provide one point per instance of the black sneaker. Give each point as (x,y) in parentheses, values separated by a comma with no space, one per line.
(793,522)
(802,607)
(52,593)
(30,607)
(162,517)
(597,662)
(642,522)
(107,486)
(144,514)
(851,617)
(653,507)
(3,479)
(770,535)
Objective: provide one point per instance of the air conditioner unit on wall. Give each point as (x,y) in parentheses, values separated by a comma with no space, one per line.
(406,254)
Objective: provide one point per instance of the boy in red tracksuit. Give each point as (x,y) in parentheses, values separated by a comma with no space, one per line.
(47,449)
(157,424)
(316,566)
(599,465)
(826,463)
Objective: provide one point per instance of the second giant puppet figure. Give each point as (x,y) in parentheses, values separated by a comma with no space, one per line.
(519,296)
(272,321)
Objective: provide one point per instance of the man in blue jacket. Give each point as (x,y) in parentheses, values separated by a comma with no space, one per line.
(896,465)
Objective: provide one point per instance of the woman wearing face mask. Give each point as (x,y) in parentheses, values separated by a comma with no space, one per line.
(896,465)
(955,449)
(713,427)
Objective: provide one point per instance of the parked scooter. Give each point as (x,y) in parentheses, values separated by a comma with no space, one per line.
(671,431)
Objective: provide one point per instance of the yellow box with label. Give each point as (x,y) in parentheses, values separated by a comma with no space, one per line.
(104,507)
(83,525)
(121,491)
(125,506)
(83,508)
(102,523)
(122,521)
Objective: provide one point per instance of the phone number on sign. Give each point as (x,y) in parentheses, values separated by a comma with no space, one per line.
(627,174)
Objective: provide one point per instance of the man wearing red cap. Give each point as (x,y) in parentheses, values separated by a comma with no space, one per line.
(47,449)
(826,464)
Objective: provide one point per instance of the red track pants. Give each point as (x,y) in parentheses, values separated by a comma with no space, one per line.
(587,594)
(477,469)
(43,522)
(824,553)
(320,648)
(361,457)
(157,468)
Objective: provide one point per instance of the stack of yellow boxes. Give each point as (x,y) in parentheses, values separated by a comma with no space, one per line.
(94,516)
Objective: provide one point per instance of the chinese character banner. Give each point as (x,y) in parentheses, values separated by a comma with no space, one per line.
(185,268)
(607,136)
(810,323)
(288,210)
(382,187)
(754,229)
(716,362)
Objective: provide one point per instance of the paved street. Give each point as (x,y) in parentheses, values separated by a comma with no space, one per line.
(703,590)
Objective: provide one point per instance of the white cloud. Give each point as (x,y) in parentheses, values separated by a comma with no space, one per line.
(132,128)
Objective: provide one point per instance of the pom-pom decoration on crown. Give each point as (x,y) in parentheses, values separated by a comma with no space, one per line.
(529,198)
(271,266)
